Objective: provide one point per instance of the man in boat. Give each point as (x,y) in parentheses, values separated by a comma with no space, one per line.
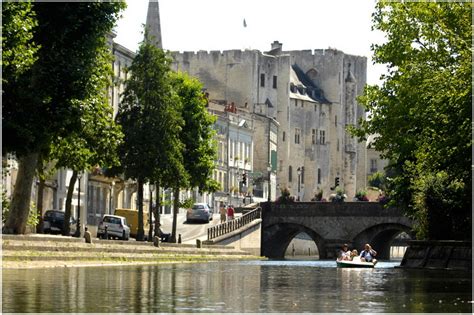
(368,254)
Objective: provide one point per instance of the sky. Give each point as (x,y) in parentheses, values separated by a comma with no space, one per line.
(192,25)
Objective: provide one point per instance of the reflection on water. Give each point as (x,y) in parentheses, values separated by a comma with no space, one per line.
(269,286)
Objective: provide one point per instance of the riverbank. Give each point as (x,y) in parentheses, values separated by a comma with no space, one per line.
(49,251)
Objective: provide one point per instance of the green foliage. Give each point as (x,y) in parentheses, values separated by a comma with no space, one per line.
(285,196)
(318,196)
(5,206)
(32,220)
(199,148)
(38,100)
(18,49)
(439,201)
(151,122)
(339,196)
(361,195)
(188,203)
(422,111)
(96,140)
(378,180)
(43,100)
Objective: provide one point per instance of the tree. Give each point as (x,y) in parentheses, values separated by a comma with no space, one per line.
(97,140)
(426,98)
(38,101)
(199,149)
(150,118)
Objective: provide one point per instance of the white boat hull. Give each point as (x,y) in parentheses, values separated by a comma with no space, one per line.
(354,264)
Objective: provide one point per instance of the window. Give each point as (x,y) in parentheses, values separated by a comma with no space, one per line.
(297,135)
(313,136)
(284,136)
(337,145)
(302,175)
(280,165)
(296,103)
(290,173)
(262,79)
(335,120)
(319,176)
(373,165)
(322,137)
(274,81)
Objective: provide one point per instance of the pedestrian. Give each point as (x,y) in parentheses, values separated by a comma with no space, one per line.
(230,212)
(222,212)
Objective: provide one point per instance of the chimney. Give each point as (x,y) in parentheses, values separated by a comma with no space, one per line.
(276,44)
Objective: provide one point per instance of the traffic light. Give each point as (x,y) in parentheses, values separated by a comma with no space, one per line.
(336,182)
(244,179)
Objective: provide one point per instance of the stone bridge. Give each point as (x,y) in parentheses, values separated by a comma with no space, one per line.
(330,225)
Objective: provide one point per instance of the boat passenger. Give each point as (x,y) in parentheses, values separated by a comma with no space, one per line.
(355,255)
(368,254)
(345,253)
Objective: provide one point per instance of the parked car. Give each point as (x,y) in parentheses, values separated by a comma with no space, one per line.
(116,227)
(53,222)
(199,212)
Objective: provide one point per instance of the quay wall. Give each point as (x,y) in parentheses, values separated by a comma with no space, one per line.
(438,255)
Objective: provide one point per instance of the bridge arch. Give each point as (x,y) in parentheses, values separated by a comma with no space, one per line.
(278,236)
(380,237)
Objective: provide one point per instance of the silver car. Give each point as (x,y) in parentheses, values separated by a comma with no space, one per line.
(116,227)
(199,212)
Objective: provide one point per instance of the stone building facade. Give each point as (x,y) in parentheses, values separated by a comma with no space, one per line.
(312,96)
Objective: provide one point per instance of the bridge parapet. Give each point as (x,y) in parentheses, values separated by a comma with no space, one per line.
(233,225)
(329,209)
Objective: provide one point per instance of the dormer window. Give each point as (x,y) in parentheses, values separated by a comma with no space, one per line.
(292,88)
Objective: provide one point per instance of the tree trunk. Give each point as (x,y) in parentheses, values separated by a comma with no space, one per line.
(157,209)
(20,205)
(150,217)
(39,204)
(67,214)
(175,214)
(140,232)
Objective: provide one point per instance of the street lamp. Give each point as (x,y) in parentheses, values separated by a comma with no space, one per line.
(269,169)
(78,222)
(299,182)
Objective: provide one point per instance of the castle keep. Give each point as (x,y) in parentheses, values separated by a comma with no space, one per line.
(311,94)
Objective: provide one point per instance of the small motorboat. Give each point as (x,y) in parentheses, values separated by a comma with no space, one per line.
(354,264)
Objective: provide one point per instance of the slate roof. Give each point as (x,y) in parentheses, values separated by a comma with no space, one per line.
(299,78)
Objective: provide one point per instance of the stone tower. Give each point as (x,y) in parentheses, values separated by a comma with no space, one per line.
(153,23)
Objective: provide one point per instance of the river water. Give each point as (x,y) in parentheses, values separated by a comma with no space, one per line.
(252,286)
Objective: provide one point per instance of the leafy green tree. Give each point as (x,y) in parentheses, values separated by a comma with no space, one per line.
(199,148)
(97,141)
(422,111)
(150,118)
(38,101)
(18,49)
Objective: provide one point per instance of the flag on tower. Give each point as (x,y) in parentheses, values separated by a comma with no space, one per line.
(245,23)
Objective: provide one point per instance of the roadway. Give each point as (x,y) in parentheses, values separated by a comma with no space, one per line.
(189,231)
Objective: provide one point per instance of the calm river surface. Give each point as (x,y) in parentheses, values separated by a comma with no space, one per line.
(255,286)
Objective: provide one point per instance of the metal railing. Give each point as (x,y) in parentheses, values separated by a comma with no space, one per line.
(233,225)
